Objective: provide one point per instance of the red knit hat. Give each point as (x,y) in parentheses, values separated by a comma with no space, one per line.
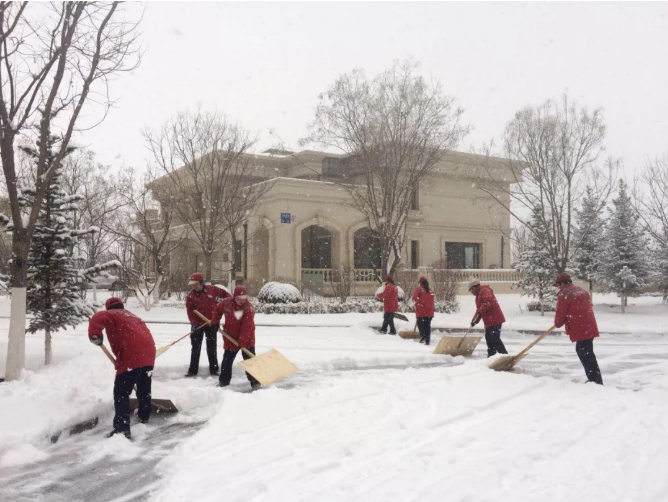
(240,291)
(195,278)
(563,277)
(422,278)
(114,300)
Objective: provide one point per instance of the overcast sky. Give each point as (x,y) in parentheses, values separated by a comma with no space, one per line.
(264,64)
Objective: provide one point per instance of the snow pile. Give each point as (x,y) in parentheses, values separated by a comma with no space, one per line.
(277,292)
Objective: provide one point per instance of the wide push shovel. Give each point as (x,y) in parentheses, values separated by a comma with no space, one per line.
(157,405)
(406,333)
(458,346)
(266,368)
(506,363)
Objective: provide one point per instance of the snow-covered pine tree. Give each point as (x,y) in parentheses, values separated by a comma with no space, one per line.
(588,238)
(659,256)
(538,271)
(54,277)
(626,262)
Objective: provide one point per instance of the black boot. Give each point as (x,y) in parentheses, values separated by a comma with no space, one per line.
(125,433)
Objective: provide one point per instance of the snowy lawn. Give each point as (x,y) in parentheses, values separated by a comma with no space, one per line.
(368,417)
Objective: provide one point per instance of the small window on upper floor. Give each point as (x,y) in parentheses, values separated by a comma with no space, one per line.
(415,199)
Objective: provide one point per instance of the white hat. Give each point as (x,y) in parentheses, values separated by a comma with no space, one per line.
(473,284)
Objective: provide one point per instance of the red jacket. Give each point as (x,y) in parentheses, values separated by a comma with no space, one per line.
(390,297)
(130,340)
(488,308)
(241,329)
(203,302)
(574,309)
(424,302)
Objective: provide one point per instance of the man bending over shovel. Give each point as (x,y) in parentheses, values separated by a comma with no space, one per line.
(488,309)
(240,325)
(134,348)
(575,311)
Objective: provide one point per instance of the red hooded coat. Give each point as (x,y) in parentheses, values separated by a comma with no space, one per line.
(575,311)
(130,340)
(203,302)
(488,307)
(424,302)
(390,297)
(239,322)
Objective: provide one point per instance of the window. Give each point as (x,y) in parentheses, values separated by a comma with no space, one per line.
(237,256)
(415,254)
(415,199)
(462,255)
(366,244)
(316,248)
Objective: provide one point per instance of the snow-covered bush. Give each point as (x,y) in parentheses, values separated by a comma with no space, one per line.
(277,292)
(357,306)
(548,306)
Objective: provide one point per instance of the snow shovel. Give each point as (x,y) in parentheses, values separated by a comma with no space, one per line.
(405,333)
(455,346)
(266,368)
(157,405)
(164,349)
(506,363)
(398,315)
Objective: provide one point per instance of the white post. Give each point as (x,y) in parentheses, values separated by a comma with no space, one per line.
(16,346)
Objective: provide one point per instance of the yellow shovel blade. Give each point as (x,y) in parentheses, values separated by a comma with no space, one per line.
(269,367)
(457,345)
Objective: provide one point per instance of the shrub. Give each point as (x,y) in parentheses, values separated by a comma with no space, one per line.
(277,292)
(548,306)
(358,306)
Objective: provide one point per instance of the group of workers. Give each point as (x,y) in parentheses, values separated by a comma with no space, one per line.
(574,311)
(134,348)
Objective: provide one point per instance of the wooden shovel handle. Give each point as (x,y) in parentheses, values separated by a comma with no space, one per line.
(526,349)
(108,354)
(462,340)
(228,337)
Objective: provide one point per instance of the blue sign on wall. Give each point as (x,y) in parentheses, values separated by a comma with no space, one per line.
(285,218)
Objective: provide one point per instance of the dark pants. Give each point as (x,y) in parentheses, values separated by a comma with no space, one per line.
(493,339)
(123,385)
(424,326)
(211,349)
(226,367)
(388,320)
(585,350)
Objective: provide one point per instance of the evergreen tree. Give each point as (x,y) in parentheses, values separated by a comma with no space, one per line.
(54,277)
(589,238)
(537,267)
(625,269)
(659,257)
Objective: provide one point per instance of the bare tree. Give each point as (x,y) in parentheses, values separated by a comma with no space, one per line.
(212,183)
(446,281)
(520,239)
(82,175)
(650,198)
(342,282)
(145,235)
(54,59)
(553,153)
(393,129)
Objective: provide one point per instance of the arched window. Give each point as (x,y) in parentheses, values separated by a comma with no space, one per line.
(316,247)
(367,249)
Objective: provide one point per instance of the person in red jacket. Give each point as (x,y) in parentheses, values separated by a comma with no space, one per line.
(488,309)
(576,312)
(390,297)
(203,299)
(423,298)
(239,323)
(134,349)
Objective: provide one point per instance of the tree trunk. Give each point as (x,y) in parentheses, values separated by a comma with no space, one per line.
(156,290)
(623,304)
(208,265)
(591,290)
(94,291)
(16,344)
(47,346)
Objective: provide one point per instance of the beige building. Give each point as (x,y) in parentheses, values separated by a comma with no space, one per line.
(306,227)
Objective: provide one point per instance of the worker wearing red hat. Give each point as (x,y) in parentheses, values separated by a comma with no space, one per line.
(423,298)
(203,299)
(134,349)
(576,312)
(390,297)
(239,323)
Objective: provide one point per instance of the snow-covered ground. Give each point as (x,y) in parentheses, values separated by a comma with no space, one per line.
(368,417)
